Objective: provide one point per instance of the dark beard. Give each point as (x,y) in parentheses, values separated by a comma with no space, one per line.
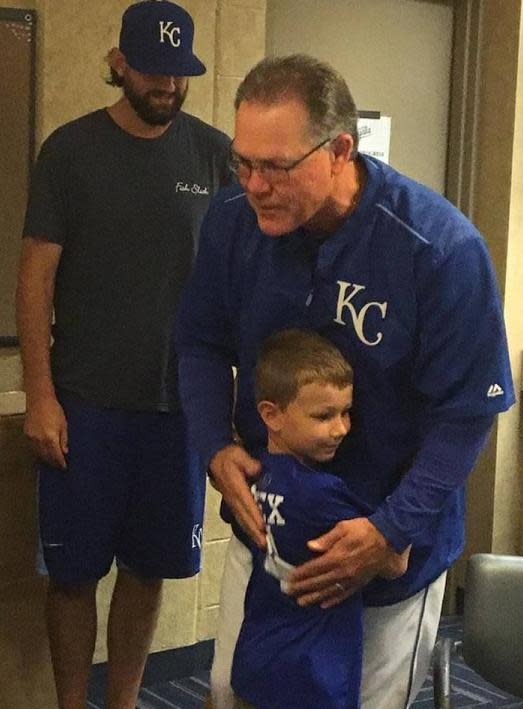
(153,113)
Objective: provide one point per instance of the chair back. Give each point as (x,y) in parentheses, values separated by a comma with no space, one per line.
(493,620)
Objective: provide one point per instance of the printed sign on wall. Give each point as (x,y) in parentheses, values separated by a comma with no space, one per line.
(374,135)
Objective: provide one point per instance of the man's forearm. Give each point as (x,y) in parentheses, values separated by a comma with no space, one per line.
(34,305)
(206,390)
(442,465)
(34,337)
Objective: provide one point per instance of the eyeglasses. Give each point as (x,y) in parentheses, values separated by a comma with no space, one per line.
(272,172)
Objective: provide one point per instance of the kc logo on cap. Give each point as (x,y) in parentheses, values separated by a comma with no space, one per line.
(169,29)
(157,38)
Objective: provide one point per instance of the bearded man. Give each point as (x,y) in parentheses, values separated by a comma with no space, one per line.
(114,213)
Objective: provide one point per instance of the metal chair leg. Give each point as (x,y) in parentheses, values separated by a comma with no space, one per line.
(445,648)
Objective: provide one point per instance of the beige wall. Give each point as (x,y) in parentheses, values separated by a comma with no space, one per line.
(73,37)
(495,521)
(514,312)
(395,56)
(508,493)
(240,44)
(24,655)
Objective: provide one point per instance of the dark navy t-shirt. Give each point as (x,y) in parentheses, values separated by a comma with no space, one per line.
(127,212)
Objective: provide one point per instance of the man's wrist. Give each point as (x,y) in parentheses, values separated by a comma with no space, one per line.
(40,393)
(394,538)
(216,450)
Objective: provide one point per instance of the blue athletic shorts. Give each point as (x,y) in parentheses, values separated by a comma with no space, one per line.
(132,490)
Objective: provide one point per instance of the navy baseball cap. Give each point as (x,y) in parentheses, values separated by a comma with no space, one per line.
(156,38)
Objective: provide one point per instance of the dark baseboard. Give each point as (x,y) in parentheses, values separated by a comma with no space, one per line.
(167,665)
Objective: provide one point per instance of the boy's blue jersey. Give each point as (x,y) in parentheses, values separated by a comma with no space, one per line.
(406,290)
(288,657)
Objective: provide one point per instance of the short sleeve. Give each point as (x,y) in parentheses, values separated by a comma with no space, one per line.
(335,502)
(46,210)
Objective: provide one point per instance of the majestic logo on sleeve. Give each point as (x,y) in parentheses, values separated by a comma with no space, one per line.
(345,301)
(169,29)
(494,390)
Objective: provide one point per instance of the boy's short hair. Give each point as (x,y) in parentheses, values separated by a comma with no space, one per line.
(289,359)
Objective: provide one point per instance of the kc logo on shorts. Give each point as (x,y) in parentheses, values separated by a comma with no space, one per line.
(169,29)
(196,537)
(358,318)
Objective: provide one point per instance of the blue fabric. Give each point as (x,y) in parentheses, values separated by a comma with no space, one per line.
(131,490)
(406,290)
(287,656)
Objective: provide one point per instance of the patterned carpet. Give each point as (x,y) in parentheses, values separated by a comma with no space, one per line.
(471,692)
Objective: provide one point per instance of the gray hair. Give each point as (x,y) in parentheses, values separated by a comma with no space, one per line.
(322,89)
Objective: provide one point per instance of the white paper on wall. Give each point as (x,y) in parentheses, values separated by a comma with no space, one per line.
(374,137)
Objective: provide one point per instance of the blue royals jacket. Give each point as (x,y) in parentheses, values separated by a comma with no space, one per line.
(406,289)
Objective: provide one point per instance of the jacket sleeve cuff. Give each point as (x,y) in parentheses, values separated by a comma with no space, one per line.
(392,534)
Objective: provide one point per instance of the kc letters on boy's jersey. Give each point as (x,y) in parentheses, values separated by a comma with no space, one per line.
(406,290)
(268,502)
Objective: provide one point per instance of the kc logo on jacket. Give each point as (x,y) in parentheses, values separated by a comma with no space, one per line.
(358,317)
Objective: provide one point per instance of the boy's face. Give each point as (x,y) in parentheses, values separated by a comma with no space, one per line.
(313,425)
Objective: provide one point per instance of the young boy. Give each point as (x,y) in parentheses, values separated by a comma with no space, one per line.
(289,656)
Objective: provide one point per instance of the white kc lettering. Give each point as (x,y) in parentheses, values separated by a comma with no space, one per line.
(196,537)
(358,318)
(169,29)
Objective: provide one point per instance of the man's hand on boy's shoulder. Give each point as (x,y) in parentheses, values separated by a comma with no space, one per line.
(351,554)
(230,470)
